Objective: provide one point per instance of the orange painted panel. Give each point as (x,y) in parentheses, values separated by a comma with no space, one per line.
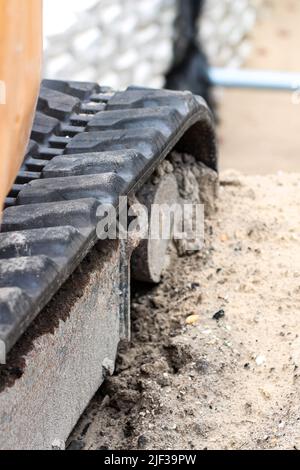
(20,72)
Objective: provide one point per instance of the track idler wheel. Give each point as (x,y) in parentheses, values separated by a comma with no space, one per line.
(149,258)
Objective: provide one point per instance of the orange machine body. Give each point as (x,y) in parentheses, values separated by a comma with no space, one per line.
(20,74)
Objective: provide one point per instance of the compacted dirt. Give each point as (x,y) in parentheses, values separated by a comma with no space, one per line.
(215,351)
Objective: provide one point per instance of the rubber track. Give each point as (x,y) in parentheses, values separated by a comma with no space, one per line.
(89,146)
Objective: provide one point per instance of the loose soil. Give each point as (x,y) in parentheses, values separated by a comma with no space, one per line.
(215,351)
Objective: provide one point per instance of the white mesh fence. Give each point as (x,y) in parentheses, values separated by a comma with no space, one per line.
(122,42)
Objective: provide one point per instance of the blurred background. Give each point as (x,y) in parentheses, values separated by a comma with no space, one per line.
(123,42)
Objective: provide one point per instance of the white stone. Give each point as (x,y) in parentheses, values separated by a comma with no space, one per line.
(132,40)
(260,360)
(85,40)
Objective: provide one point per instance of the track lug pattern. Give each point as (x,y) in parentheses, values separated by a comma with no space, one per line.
(80,214)
(125,163)
(89,146)
(148,143)
(43,127)
(105,187)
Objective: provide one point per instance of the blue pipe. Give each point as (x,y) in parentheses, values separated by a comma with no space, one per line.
(255,79)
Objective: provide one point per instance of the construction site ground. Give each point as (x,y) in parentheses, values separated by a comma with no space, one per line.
(226,383)
(215,352)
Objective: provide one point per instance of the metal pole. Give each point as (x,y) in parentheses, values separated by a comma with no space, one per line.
(255,79)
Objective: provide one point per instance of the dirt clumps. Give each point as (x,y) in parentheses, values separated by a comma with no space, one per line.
(226,383)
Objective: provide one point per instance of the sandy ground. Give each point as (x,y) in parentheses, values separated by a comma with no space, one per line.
(259,131)
(215,352)
(225,381)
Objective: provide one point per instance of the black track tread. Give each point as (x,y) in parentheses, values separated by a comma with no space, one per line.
(88,147)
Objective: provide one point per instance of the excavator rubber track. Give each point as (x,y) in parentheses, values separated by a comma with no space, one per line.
(89,146)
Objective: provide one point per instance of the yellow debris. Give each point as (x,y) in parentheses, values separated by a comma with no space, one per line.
(192,319)
(224,237)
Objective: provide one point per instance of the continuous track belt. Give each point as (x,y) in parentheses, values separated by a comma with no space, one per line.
(89,146)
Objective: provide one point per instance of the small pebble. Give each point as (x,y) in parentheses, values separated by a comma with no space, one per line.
(218,315)
(192,319)
(260,360)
